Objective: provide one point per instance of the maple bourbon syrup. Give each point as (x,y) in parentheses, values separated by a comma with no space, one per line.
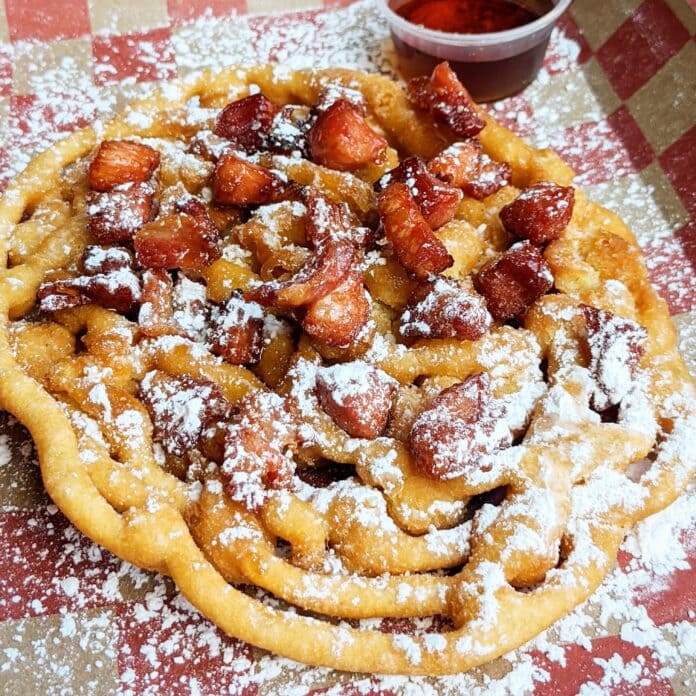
(489,73)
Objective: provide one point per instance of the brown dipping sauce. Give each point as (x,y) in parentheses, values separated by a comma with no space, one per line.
(486,80)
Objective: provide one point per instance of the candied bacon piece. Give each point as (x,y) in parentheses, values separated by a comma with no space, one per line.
(156,316)
(118,288)
(288,132)
(615,346)
(328,220)
(514,280)
(444,309)
(181,408)
(239,182)
(116,215)
(468,167)
(330,230)
(257,456)
(414,243)
(357,396)
(342,139)
(324,272)
(447,100)
(120,162)
(438,201)
(246,121)
(177,241)
(236,330)
(338,318)
(99,259)
(457,430)
(540,213)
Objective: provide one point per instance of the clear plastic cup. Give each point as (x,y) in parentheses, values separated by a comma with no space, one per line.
(491,66)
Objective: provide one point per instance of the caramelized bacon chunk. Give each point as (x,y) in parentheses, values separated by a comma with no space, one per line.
(236,330)
(333,236)
(189,241)
(342,139)
(438,201)
(258,448)
(514,280)
(239,182)
(99,259)
(181,409)
(457,430)
(246,122)
(167,309)
(288,132)
(357,396)
(338,318)
(156,316)
(119,162)
(414,243)
(109,282)
(540,213)
(615,347)
(444,309)
(447,100)
(468,167)
(116,215)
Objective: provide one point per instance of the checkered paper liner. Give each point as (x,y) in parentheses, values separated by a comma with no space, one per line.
(615,98)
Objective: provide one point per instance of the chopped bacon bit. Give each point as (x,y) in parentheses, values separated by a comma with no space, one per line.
(338,318)
(239,182)
(288,132)
(120,162)
(257,450)
(245,122)
(109,282)
(156,316)
(342,139)
(438,201)
(468,167)
(444,309)
(540,213)
(457,430)
(236,330)
(328,220)
(615,347)
(415,245)
(181,409)
(178,241)
(115,216)
(447,100)
(98,259)
(331,231)
(513,281)
(357,396)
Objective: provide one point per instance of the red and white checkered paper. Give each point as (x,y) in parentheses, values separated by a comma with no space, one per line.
(615,98)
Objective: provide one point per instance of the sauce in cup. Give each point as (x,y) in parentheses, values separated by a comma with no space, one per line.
(496,46)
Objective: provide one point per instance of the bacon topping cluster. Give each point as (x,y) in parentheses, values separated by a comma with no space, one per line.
(167,247)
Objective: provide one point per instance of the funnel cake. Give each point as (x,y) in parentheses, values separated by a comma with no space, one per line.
(324,347)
